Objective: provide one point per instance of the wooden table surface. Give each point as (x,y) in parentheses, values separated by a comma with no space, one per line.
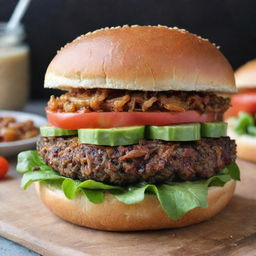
(8,247)
(232,232)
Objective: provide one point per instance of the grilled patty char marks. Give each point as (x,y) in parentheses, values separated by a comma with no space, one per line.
(150,161)
(111,100)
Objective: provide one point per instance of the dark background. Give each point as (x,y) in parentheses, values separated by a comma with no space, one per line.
(51,23)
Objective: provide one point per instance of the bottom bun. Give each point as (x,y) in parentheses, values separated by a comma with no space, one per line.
(246,146)
(113,215)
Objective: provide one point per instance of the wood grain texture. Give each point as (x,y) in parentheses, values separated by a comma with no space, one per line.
(232,232)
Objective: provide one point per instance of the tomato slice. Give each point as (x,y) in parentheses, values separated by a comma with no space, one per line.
(121,119)
(244,101)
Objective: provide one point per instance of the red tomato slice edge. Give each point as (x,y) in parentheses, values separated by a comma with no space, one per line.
(244,101)
(121,119)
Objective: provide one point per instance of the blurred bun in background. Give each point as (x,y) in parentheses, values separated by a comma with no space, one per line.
(246,75)
(242,115)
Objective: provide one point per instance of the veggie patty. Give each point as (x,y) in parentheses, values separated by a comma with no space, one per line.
(151,161)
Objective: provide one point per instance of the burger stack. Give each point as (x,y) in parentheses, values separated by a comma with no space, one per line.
(137,139)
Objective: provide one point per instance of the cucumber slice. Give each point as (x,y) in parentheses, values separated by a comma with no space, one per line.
(51,131)
(214,130)
(112,137)
(186,132)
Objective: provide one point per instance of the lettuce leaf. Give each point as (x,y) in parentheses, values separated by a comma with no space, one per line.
(33,176)
(31,161)
(92,189)
(176,198)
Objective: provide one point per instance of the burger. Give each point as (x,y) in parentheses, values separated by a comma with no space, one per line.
(242,115)
(137,140)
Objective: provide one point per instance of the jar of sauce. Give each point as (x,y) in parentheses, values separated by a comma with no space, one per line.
(14,68)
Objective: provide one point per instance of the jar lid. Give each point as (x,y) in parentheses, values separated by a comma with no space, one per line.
(10,37)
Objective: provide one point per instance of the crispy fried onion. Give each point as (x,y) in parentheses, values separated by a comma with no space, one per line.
(110,100)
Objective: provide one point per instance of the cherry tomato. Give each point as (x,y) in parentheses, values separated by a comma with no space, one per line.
(4,167)
(121,119)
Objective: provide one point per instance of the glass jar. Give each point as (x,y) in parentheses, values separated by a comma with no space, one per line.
(14,68)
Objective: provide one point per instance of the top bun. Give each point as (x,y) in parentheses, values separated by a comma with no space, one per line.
(148,58)
(246,75)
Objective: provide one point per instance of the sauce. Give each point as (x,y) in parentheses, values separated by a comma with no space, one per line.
(14,77)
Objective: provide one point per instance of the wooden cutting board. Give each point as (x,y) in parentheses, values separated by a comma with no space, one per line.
(25,220)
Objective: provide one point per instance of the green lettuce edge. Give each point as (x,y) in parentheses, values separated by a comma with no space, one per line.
(243,124)
(176,198)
